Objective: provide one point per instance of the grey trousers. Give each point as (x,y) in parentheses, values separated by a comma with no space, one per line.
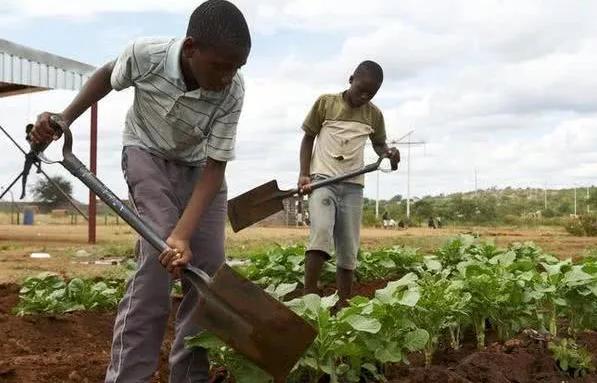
(160,190)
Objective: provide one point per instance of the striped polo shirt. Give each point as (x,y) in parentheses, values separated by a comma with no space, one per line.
(165,118)
(342,132)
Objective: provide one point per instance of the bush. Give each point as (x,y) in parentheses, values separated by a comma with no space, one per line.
(585,225)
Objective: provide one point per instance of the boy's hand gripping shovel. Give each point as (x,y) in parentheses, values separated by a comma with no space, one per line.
(233,308)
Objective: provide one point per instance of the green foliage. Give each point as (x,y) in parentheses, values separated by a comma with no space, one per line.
(442,305)
(49,293)
(387,263)
(466,282)
(277,265)
(222,355)
(585,225)
(352,345)
(282,264)
(572,358)
(488,207)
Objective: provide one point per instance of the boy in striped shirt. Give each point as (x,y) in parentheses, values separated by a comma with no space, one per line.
(178,136)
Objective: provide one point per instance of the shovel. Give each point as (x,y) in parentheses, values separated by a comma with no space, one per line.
(233,308)
(267,199)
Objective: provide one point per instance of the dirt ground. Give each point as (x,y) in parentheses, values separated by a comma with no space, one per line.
(62,241)
(75,348)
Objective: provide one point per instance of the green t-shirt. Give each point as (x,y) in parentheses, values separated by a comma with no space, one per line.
(342,132)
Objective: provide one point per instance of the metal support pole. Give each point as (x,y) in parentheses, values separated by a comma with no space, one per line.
(93,168)
(408,182)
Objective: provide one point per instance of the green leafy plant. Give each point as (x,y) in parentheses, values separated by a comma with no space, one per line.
(485,285)
(393,307)
(243,370)
(546,293)
(572,358)
(49,293)
(442,305)
(455,251)
(374,265)
(278,265)
(580,294)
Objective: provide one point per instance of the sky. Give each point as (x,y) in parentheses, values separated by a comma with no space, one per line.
(504,90)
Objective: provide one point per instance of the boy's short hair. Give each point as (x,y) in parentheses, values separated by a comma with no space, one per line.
(219,23)
(370,68)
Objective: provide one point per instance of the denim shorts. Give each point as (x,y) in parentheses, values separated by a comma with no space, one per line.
(335,212)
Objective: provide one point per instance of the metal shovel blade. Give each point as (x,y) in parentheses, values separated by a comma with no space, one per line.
(255,205)
(252,322)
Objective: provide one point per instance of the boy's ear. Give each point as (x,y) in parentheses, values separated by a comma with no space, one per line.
(189,47)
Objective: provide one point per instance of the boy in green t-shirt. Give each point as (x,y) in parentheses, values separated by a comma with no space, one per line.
(341,122)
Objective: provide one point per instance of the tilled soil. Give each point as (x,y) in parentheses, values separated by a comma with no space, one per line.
(55,349)
(75,348)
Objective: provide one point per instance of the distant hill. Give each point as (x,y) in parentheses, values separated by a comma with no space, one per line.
(508,205)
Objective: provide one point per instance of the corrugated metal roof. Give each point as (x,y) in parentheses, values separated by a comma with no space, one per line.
(24,69)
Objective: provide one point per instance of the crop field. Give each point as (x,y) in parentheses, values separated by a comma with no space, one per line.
(459,304)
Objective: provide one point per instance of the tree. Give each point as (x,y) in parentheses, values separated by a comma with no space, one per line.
(423,208)
(44,191)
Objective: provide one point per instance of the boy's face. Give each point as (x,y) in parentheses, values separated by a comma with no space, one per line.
(214,68)
(362,89)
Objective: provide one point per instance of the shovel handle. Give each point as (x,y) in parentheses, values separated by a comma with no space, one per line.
(333,180)
(197,276)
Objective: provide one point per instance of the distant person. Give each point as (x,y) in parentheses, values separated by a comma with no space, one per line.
(431,223)
(439,222)
(385,219)
(342,123)
(178,136)
(306,219)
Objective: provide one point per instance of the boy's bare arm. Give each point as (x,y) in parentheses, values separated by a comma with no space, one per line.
(96,88)
(203,194)
(305,162)
(380,149)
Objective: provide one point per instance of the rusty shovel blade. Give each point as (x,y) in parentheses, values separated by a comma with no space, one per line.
(251,321)
(255,205)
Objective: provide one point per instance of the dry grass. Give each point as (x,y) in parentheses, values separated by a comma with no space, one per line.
(63,240)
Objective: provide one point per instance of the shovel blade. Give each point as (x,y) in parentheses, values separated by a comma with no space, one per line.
(253,323)
(255,205)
